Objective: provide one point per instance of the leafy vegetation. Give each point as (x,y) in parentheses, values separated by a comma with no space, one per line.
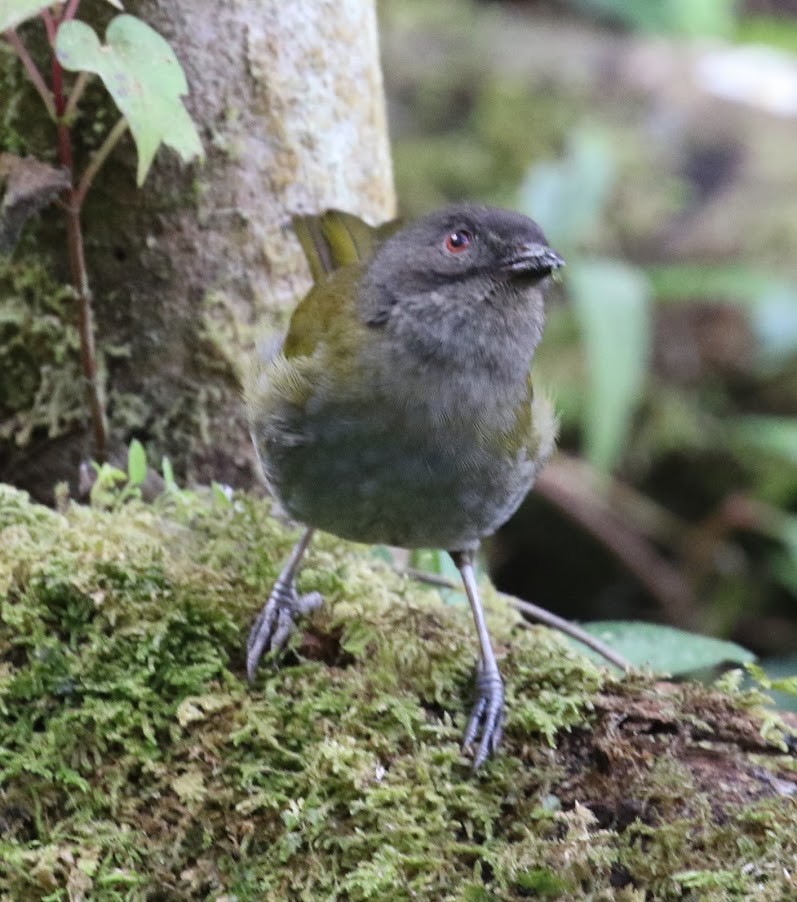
(665,650)
(145,80)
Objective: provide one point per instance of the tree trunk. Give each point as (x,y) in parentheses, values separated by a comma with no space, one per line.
(189,271)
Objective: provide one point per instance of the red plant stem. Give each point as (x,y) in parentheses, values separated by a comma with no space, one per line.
(73,202)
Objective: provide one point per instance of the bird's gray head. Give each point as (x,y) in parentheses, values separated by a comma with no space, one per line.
(463,274)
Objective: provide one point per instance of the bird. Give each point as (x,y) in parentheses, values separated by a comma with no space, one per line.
(398,408)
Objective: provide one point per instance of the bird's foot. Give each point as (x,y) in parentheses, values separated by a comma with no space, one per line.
(277,621)
(487,718)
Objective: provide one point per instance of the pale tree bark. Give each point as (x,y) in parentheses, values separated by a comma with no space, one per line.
(191,270)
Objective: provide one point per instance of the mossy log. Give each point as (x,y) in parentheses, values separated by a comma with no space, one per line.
(136,762)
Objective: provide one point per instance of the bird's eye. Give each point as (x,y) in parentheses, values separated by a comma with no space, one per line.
(459,241)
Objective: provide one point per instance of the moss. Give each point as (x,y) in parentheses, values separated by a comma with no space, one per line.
(25,127)
(137,764)
(40,384)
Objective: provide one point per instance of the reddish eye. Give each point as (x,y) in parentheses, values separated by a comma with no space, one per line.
(458,241)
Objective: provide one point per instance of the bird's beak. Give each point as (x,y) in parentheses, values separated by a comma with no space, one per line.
(534,260)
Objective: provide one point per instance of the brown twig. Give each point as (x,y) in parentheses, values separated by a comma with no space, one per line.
(564,487)
(645,515)
(536,613)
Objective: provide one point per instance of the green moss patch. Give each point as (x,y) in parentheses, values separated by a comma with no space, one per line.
(136,763)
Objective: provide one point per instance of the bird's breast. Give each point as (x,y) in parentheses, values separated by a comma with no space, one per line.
(402,458)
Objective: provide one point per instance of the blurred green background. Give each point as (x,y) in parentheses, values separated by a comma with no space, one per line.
(656,143)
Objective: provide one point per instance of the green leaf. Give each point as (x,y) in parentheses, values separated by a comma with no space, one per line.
(687,17)
(221,494)
(612,304)
(136,463)
(665,649)
(12,12)
(709,282)
(568,196)
(145,79)
(168,473)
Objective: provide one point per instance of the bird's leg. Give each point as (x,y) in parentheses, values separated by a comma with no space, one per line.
(276,621)
(487,718)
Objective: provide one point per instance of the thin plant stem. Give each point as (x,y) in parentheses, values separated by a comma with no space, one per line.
(88,350)
(77,265)
(75,94)
(49,24)
(569,629)
(70,11)
(37,79)
(111,140)
(537,613)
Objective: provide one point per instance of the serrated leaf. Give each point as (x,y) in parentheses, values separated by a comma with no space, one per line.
(665,649)
(136,463)
(12,12)
(612,303)
(144,78)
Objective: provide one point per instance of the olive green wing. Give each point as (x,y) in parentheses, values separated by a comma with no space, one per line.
(327,314)
(337,246)
(334,239)
(320,346)
(325,330)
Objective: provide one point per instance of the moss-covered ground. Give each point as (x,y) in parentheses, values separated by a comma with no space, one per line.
(136,763)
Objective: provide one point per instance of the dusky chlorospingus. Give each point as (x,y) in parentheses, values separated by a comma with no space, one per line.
(398,409)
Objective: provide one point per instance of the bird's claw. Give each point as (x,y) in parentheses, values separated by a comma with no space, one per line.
(276,622)
(487,718)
